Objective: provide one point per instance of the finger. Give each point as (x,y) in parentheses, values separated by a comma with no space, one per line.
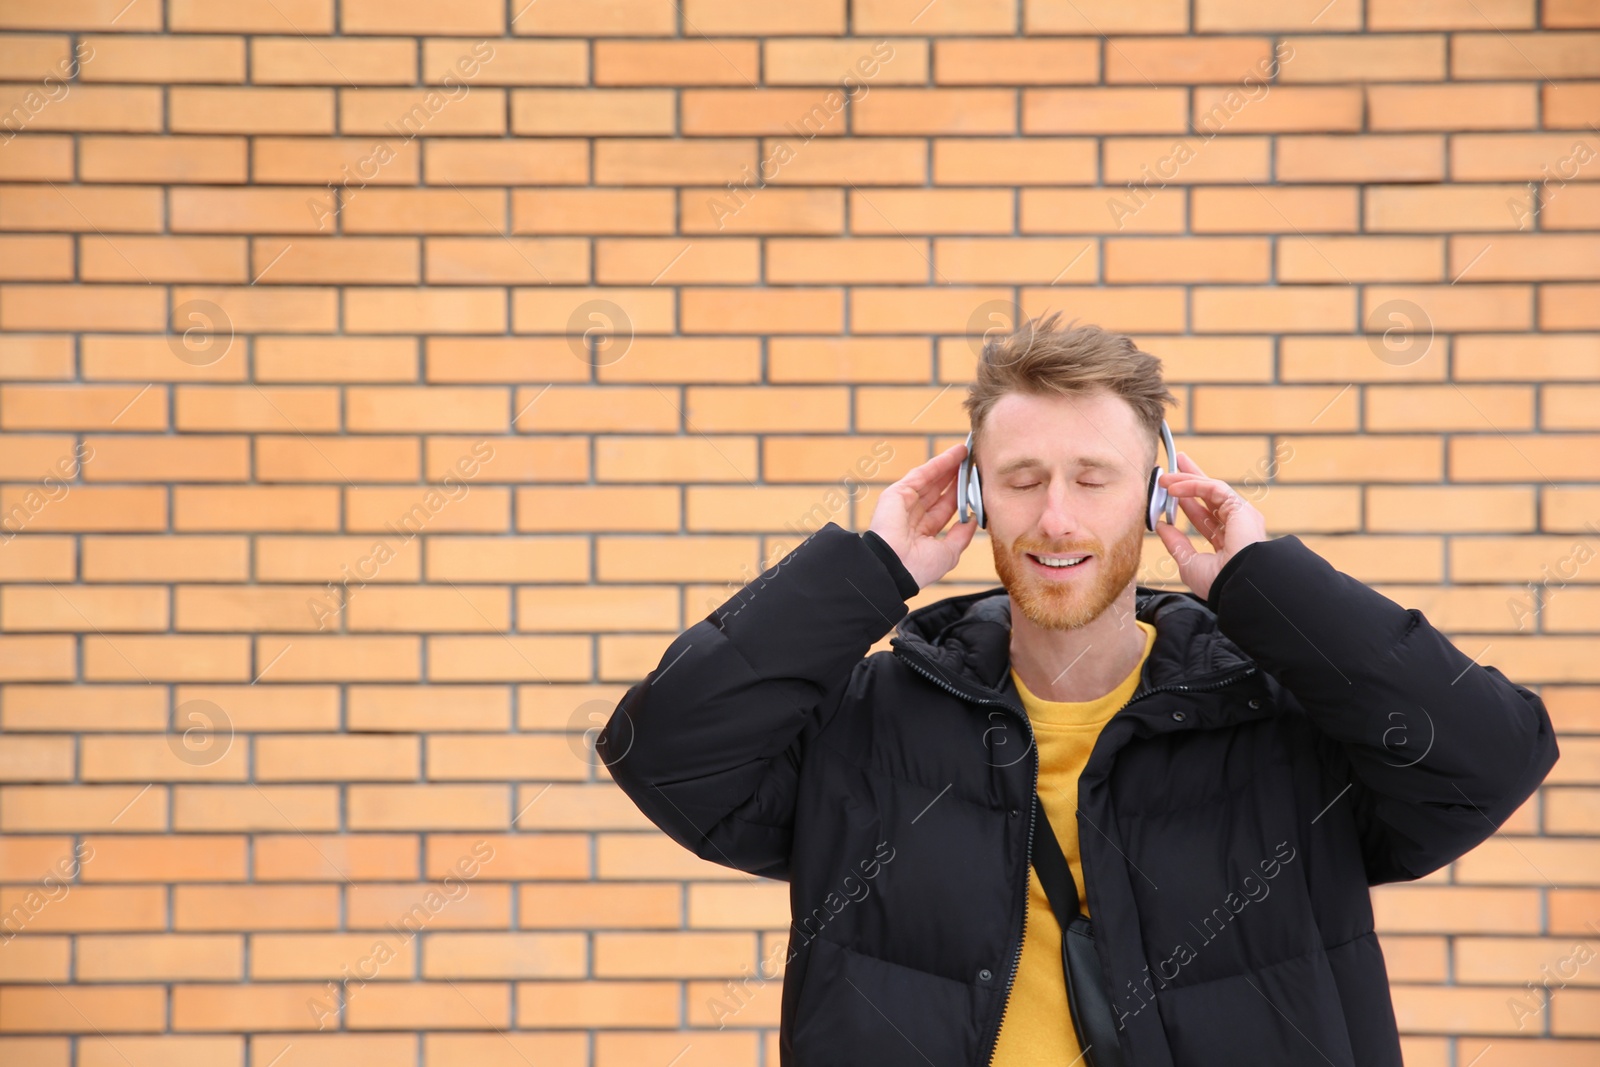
(960,536)
(932,478)
(1177,542)
(1207,521)
(937,512)
(1213,491)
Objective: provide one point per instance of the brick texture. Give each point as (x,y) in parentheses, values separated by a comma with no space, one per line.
(384,384)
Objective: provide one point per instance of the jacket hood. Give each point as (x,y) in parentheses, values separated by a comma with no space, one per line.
(968,638)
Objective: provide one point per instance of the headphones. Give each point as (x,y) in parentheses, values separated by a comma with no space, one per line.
(969,491)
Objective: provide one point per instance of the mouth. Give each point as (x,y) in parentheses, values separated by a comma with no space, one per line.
(1058,567)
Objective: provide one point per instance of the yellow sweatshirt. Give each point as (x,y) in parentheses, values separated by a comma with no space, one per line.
(1037,1028)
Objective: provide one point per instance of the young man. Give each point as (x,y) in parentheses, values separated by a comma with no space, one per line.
(1226,769)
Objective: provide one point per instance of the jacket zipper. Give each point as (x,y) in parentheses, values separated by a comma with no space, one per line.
(908,658)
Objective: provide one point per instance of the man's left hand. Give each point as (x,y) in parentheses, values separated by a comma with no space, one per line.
(1222,516)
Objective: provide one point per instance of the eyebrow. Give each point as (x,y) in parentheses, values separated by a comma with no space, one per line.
(1091,462)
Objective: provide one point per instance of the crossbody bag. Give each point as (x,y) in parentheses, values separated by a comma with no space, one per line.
(1088,999)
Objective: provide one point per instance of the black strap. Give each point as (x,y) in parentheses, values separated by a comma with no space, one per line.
(1088,1000)
(1054,871)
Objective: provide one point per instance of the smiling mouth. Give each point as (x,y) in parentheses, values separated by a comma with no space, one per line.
(1060,564)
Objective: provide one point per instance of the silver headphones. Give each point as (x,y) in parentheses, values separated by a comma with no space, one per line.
(969,491)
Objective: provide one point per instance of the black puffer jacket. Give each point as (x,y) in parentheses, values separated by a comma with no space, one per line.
(1293,740)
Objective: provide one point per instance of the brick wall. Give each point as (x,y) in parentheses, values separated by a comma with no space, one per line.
(384,384)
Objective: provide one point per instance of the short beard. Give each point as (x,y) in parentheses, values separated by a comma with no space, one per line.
(1070,605)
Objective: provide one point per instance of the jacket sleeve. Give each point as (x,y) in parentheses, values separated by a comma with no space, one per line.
(1439,750)
(710,743)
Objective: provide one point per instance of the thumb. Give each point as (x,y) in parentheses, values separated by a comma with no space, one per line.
(1177,543)
(960,536)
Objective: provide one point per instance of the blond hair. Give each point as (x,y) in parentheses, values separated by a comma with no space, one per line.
(1043,360)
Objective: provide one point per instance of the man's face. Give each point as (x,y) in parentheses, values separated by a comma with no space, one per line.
(1064,476)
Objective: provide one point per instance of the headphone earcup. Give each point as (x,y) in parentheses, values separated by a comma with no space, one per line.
(1157,498)
(975,495)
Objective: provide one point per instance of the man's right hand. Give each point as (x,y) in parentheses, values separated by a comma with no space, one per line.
(912,511)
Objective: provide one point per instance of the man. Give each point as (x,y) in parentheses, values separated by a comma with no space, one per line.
(1226,769)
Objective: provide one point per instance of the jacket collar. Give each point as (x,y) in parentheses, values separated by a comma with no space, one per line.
(967,640)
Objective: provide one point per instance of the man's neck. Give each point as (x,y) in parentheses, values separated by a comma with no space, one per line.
(1081,664)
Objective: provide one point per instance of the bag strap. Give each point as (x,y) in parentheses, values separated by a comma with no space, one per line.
(1054,871)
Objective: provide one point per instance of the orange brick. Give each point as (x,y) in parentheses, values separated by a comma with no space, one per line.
(451,61)
(594,211)
(1319,209)
(1566,106)
(1148,164)
(1478,157)
(1358,259)
(297,60)
(330,261)
(915,211)
(1450,14)
(408,211)
(163,59)
(1365,59)
(388,310)
(663,162)
(253,16)
(1104,111)
(125,209)
(546,161)
(75,1009)
(652,259)
(1188,260)
(355,164)
(976,161)
(112,158)
(849,61)
(598,1004)
(36,56)
(789,310)
(1529,257)
(335,359)
(312,758)
(1179,60)
(472,17)
(1568,307)
(1015,62)
(676,63)
(729,18)
(892,111)
(37,157)
(574,18)
(1256,109)
(1435,107)
(1104,16)
(616,313)
(510,260)
(1524,55)
(816,260)
(96,108)
(251,110)
(1213,15)
(1429,208)
(1102,211)
(1360,159)
(1297,309)
(592,112)
(457,110)
(41,258)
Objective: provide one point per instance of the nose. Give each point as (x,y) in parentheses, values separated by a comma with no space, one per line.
(1058,522)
